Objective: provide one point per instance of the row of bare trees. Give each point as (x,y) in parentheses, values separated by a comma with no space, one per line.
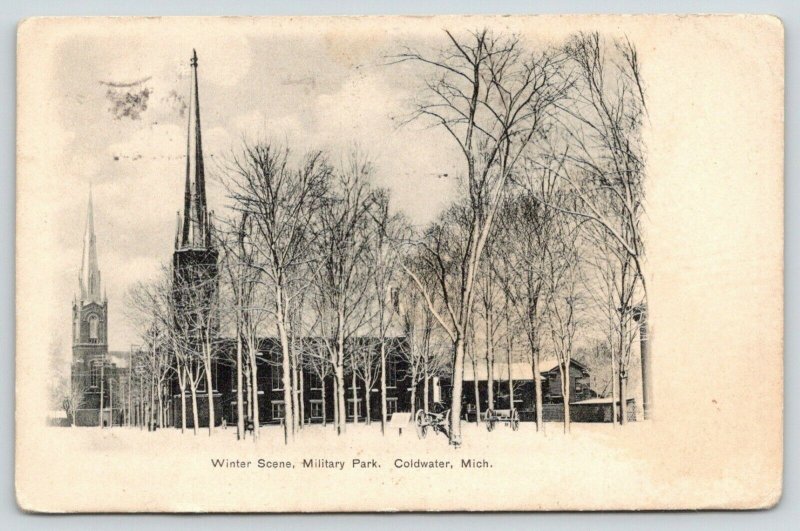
(541,248)
(551,184)
(310,259)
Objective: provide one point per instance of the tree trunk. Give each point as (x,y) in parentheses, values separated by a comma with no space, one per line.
(335,403)
(537,388)
(355,398)
(286,378)
(253,390)
(160,408)
(151,413)
(613,389)
(367,399)
(458,380)
(302,391)
(383,387)
(195,416)
(647,371)
(293,382)
(623,406)
(565,394)
(489,361)
(509,350)
(239,382)
(111,404)
(183,407)
(341,421)
(413,397)
(324,404)
(426,393)
(210,393)
(141,405)
(102,390)
(476,387)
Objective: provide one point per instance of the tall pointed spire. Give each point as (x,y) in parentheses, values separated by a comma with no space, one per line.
(195,216)
(90,272)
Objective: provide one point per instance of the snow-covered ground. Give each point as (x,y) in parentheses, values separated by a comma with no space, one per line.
(595,466)
(357,436)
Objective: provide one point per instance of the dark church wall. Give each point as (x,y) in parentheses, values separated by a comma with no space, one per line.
(202,410)
(271,397)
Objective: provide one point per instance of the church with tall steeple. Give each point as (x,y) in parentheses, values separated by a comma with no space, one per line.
(90,305)
(91,369)
(195,270)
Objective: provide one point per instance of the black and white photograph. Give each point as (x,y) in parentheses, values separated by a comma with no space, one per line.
(399,263)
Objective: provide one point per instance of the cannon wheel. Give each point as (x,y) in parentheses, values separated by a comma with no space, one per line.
(422,424)
(489,419)
(514,419)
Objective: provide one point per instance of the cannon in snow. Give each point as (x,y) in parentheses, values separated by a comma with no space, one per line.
(504,416)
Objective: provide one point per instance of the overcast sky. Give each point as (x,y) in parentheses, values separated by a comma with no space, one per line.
(305,91)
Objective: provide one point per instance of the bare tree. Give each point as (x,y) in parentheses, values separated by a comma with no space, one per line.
(488,310)
(494,98)
(251,310)
(426,353)
(317,360)
(384,259)
(612,284)
(562,284)
(280,199)
(73,397)
(528,230)
(165,312)
(341,291)
(601,160)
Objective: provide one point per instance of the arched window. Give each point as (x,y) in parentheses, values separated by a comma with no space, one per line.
(94,325)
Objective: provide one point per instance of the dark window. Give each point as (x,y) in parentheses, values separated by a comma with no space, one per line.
(353,408)
(94,376)
(391,373)
(316,409)
(391,406)
(277,378)
(262,382)
(278,410)
(314,381)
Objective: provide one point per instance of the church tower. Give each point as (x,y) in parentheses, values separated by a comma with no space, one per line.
(194,262)
(89,324)
(90,306)
(195,278)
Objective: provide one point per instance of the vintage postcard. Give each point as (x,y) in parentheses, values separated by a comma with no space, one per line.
(399,263)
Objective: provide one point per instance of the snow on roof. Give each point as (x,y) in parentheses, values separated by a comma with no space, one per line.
(119,358)
(520,370)
(599,400)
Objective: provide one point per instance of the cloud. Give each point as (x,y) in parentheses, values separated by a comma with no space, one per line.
(156,141)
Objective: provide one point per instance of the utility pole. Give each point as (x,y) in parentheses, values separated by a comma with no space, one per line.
(102,389)
(130,378)
(111,403)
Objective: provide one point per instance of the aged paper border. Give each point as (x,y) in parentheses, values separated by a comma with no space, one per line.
(716,255)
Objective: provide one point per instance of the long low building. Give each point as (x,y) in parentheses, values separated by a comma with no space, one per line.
(582,397)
